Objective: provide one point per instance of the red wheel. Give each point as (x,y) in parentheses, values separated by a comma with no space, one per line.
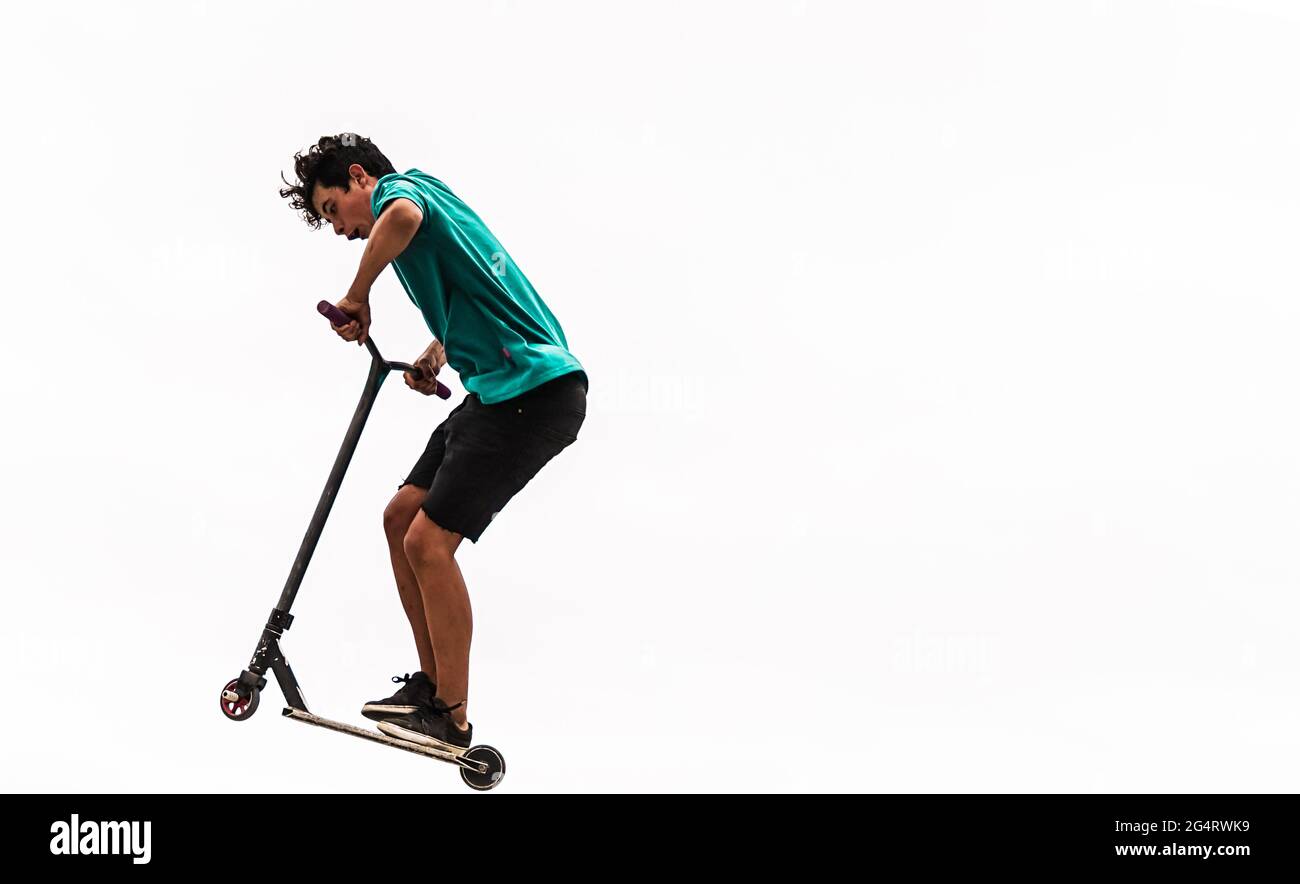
(240,708)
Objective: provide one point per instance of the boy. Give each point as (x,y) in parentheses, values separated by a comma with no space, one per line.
(525,402)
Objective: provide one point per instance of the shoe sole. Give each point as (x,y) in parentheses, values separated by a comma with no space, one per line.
(398,732)
(387,708)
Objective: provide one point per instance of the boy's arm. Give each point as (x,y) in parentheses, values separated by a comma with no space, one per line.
(429,363)
(392,233)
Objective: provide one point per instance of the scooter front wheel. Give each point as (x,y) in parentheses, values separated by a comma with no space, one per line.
(235,706)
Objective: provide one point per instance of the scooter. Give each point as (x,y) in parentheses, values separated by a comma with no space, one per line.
(481,767)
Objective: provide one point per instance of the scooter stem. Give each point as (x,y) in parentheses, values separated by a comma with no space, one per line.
(379,369)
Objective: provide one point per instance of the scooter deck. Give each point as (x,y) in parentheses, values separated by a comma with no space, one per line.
(441,755)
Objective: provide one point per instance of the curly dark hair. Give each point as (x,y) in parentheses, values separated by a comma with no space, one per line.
(326,163)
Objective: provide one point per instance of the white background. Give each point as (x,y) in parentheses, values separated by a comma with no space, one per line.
(942,431)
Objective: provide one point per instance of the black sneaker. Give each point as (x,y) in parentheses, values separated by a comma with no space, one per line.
(431,726)
(418,691)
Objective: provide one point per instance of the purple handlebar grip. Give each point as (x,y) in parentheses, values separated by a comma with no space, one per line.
(338,317)
(333,314)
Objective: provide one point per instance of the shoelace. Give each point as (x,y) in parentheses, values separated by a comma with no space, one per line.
(407,679)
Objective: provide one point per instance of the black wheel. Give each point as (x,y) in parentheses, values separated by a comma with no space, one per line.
(241,708)
(496,768)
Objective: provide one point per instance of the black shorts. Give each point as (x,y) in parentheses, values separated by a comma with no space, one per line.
(480,456)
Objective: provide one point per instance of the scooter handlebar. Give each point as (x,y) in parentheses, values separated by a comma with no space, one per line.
(338,317)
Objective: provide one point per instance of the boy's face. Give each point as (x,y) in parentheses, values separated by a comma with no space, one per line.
(348,212)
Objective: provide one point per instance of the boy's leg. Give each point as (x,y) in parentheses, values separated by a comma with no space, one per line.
(485,455)
(398,515)
(431,551)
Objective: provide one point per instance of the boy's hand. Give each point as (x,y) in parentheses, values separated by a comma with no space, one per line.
(428,363)
(359,328)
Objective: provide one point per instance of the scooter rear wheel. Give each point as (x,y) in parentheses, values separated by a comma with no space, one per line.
(496,768)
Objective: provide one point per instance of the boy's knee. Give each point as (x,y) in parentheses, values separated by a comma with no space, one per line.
(401,510)
(427,541)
